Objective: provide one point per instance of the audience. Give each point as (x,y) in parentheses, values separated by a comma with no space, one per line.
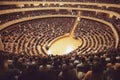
(49,67)
(86,63)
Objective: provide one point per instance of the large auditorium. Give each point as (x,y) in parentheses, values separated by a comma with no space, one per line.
(59,39)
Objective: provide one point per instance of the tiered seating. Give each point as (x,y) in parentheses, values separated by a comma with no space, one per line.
(37,33)
(98,38)
(28,27)
(13,16)
(32,37)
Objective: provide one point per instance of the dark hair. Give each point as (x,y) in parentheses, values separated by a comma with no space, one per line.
(44,61)
(1,61)
(97,68)
(67,61)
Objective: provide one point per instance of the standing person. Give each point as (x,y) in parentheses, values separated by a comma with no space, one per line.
(5,72)
(44,70)
(68,71)
(96,73)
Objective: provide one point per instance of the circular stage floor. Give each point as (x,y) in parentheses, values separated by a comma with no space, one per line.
(64,45)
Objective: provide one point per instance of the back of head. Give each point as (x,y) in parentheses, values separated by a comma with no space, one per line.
(44,61)
(97,68)
(2,61)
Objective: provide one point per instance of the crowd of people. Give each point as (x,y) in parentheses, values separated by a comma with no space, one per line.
(98,66)
(50,28)
(25,14)
(14,16)
(18,15)
(91,29)
(99,62)
(44,28)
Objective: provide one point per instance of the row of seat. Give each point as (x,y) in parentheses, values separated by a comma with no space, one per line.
(32,37)
(31,40)
(94,38)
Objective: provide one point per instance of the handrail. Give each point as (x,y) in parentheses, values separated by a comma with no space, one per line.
(54,8)
(51,2)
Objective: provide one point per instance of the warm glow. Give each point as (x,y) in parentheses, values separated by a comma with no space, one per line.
(64,46)
(69,49)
